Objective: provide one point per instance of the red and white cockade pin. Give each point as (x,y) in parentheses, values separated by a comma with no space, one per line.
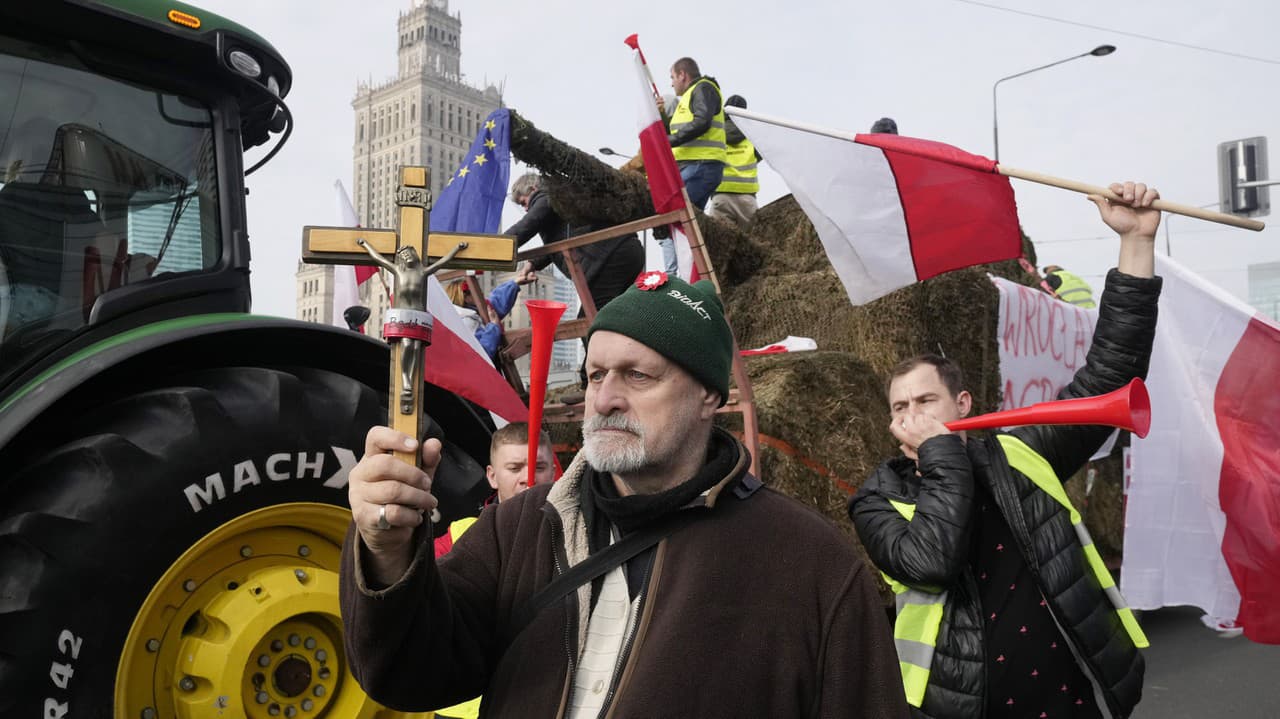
(651,280)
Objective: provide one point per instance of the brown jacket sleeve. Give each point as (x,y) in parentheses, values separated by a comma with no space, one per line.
(424,641)
(859,665)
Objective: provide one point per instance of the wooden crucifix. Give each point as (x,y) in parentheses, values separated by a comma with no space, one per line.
(411,256)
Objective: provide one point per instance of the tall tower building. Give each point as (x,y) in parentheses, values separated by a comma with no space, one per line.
(315,292)
(426,115)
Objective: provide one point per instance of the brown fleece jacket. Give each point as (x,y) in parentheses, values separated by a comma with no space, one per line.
(758,609)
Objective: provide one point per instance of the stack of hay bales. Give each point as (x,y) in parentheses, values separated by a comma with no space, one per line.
(822,415)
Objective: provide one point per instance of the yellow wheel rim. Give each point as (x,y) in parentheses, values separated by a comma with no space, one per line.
(245,624)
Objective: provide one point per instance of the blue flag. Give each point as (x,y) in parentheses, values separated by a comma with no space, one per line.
(472,198)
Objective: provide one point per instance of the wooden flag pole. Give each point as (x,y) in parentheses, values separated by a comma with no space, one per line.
(1163,205)
(1199,213)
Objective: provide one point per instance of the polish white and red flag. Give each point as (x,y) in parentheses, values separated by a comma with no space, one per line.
(790,343)
(890,210)
(665,185)
(1202,524)
(454,360)
(347,278)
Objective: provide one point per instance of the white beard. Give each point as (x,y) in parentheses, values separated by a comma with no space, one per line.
(613,452)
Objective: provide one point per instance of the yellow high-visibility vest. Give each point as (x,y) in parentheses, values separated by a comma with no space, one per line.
(740,172)
(1038,470)
(710,145)
(469,709)
(1074,290)
(915,632)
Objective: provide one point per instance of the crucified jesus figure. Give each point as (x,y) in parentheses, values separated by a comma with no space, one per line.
(410,294)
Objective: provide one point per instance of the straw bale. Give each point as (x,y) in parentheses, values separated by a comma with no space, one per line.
(1103,507)
(955,314)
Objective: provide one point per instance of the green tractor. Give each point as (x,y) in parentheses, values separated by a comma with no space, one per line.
(172,469)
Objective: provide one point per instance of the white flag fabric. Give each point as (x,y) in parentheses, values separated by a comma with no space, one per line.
(790,343)
(1203,519)
(346,291)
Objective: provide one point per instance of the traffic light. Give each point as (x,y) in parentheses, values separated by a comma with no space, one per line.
(1243,161)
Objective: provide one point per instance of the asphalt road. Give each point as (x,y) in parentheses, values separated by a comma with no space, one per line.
(1193,673)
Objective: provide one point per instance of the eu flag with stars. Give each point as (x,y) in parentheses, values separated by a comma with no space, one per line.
(472,198)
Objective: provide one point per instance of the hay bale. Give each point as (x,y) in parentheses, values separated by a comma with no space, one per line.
(955,314)
(1103,507)
(787,241)
(825,412)
(819,449)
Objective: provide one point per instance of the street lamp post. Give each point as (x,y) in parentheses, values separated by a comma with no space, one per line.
(1168,220)
(1098,51)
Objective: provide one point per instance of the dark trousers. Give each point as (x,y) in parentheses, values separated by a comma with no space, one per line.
(701,178)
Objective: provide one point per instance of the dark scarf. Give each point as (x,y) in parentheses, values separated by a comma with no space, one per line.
(603,507)
(600,496)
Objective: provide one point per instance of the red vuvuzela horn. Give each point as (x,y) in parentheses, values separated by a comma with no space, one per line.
(543,316)
(1128,408)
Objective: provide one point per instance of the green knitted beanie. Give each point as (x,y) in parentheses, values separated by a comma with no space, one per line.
(682,322)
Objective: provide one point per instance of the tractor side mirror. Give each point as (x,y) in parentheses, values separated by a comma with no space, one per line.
(355,316)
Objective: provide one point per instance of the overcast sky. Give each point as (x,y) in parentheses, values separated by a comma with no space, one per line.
(1151,111)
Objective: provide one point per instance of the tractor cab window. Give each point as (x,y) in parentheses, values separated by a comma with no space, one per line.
(103,184)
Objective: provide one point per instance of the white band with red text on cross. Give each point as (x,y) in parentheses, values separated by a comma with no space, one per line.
(408,323)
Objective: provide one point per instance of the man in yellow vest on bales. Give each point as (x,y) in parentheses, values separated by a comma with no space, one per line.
(1004,606)
(735,197)
(696,130)
(1069,287)
(696,133)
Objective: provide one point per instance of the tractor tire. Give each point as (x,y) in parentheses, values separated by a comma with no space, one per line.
(174,553)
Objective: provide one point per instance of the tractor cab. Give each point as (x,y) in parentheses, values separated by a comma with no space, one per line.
(121,183)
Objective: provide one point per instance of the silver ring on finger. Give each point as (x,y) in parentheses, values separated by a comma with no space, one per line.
(382,518)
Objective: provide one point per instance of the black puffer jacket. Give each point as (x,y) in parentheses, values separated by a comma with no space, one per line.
(542,220)
(931,551)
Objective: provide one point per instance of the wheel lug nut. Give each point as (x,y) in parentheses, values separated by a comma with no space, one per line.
(294,640)
(264,660)
(187,684)
(321,655)
(148,713)
(189,585)
(246,551)
(274,710)
(301,575)
(277,646)
(319,690)
(290,711)
(261,698)
(324,674)
(304,551)
(310,643)
(307,705)
(153,645)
